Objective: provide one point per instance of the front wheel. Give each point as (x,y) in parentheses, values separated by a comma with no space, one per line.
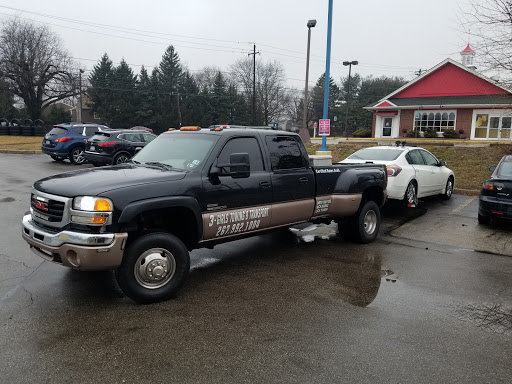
(364,226)
(76,156)
(154,268)
(448,190)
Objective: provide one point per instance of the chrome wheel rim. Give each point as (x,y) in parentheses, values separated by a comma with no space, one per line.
(411,194)
(449,188)
(370,222)
(122,159)
(78,156)
(155,268)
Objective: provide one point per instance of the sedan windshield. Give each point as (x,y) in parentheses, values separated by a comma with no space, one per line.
(179,150)
(384,154)
(505,170)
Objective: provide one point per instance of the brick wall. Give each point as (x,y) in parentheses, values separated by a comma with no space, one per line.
(406,121)
(464,121)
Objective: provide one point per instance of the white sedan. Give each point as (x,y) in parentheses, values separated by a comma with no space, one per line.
(412,172)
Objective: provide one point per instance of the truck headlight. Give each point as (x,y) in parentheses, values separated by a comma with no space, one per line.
(93,204)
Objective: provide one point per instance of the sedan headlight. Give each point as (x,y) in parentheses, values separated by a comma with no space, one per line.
(91,210)
(93,204)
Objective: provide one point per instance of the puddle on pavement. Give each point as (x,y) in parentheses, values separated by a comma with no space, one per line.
(492,317)
(7,200)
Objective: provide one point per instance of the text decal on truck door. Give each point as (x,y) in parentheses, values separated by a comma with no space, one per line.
(237,221)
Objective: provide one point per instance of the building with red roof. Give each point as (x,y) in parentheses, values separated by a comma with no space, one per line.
(451,95)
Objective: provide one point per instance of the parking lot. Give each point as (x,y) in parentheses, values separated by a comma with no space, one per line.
(429,301)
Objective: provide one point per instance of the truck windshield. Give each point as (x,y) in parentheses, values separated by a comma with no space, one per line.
(179,150)
(384,154)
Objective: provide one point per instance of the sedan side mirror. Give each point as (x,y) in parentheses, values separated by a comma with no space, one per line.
(442,163)
(492,168)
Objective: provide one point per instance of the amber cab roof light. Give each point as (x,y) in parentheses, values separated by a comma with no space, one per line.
(190,128)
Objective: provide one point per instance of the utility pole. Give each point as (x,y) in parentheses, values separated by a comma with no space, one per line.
(253,83)
(79,114)
(179,110)
(303,132)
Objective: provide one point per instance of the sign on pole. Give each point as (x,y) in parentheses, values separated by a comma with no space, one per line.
(324,127)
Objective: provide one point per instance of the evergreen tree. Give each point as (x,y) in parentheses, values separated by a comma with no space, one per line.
(317,98)
(101,92)
(191,108)
(145,114)
(170,76)
(125,97)
(219,100)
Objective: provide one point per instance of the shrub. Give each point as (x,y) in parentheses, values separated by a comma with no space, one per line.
(362,132)
(450,133)
(413,134)
(430,133)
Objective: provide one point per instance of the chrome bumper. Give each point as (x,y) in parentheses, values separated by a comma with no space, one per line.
(87,252)
(33,231)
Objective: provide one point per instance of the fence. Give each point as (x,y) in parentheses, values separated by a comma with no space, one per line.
(22,127)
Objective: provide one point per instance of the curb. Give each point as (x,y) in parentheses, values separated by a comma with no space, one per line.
(20,151)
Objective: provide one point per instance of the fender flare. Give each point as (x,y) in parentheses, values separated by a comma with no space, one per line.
(137,207)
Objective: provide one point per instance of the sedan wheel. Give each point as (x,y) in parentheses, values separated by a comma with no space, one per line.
(449,189)
(411,195)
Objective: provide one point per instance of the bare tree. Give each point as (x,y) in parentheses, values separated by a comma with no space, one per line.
(489,22)
(272,96)
(35,66)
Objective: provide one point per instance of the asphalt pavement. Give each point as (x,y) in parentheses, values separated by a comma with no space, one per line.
(429,301)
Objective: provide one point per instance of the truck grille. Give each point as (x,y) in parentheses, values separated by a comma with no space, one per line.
(47,209)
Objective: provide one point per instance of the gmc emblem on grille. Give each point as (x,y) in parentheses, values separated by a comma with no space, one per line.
(41,205)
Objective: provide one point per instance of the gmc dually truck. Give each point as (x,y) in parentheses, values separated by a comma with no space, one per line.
(188,189)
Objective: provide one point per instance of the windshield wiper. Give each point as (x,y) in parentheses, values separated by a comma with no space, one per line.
(158,164)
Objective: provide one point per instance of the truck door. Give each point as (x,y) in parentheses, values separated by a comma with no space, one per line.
(293,181)
(234,206)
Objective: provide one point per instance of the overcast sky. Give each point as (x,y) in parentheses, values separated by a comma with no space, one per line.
(394,38)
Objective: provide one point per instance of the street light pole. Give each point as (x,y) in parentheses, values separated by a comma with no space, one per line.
(304,133)
(350,64)
(327,74)
(79,114)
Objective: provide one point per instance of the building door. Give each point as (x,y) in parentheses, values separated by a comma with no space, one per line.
(492,127)
(387,125)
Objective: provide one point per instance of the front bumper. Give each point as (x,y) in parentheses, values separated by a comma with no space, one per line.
(77,250)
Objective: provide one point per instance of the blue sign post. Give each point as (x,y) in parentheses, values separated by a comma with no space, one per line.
(327,74)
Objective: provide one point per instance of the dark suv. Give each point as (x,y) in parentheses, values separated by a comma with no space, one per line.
(68,140)
(115,146)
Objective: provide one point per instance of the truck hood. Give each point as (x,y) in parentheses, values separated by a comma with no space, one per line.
(95,181)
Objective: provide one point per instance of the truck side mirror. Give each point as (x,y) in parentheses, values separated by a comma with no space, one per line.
(238,168)
(240,165)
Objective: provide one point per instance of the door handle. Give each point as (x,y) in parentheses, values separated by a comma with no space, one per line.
(303,180)
(264,184)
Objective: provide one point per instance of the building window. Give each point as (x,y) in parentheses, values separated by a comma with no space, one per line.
(439,121)
(493,126)
(96,116)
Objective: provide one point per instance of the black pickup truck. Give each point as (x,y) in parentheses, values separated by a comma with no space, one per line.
(189,189)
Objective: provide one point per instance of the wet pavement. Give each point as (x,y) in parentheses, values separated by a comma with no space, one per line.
(407,308)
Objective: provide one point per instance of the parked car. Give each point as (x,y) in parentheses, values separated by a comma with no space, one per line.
(413,172)
(68,141)
(496,195)
(141,128)
(115,146)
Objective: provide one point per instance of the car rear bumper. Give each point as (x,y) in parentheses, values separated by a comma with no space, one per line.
(93,157)
(54,151)
(492,207)
(77,250)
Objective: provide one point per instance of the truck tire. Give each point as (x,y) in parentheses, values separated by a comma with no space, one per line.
(154,268)
(364,226)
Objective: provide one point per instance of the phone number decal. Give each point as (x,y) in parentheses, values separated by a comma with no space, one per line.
(233,222)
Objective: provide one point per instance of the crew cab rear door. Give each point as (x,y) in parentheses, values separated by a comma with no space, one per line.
(233,206)
(293,180)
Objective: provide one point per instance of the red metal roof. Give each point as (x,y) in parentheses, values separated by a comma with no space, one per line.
(385,104)
(467,49)
(450,80)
